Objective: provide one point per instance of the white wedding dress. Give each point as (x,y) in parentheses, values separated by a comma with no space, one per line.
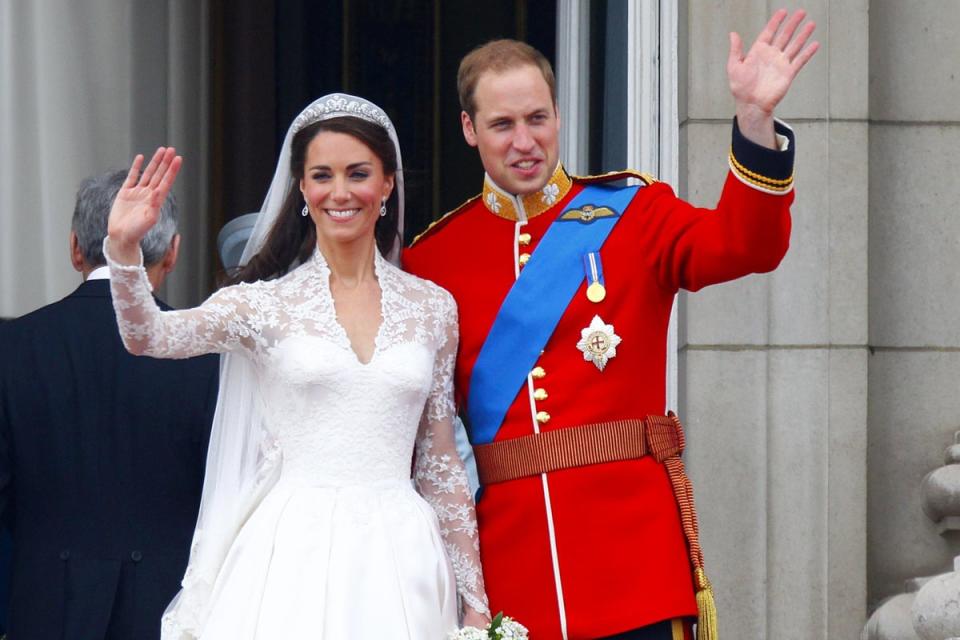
(343,544)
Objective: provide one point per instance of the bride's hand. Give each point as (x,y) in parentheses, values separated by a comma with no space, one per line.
(137,205)
(473,619)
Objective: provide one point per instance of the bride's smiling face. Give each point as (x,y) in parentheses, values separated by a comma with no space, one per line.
(343,185)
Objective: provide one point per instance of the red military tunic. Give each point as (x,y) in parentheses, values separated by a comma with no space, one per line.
(596,550)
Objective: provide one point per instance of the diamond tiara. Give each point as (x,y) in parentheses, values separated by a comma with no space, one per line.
(338,104)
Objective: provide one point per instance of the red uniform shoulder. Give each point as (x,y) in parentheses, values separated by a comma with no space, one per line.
(442,221)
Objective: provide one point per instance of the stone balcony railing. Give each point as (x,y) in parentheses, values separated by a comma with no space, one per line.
(930,608)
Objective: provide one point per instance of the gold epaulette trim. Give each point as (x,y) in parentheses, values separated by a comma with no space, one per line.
(443,219)
(646,178)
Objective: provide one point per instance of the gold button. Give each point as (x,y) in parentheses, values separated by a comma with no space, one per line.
(543,417)
(538,372)
(524,258)
(540,394)
(524,238)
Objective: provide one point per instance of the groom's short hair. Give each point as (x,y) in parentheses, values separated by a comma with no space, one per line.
(499,56)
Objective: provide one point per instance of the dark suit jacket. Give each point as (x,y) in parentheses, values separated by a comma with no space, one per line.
(101,467)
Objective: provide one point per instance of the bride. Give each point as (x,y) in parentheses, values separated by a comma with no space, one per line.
(337,381)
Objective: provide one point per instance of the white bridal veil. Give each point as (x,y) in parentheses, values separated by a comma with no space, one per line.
(243,462)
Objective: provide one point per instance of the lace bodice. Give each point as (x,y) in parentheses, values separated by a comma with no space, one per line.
(331,418)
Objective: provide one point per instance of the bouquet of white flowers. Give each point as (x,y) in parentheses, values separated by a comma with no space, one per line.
(501,628)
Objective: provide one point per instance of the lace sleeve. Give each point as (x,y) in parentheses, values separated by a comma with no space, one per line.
(222,323)
(439,472)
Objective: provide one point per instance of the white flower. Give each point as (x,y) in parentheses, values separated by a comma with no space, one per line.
(492,203)
(550,193)
(511,629)
(468,633)
(504,628)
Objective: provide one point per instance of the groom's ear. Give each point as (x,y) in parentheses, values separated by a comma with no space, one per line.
(469,133)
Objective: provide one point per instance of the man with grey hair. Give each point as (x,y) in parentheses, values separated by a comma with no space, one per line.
(101,452)
(89,227)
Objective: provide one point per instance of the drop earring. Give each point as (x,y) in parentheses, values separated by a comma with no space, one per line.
(383,207)
(305,212)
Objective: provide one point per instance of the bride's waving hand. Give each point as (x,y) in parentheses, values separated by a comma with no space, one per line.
(222,323)
(137,205)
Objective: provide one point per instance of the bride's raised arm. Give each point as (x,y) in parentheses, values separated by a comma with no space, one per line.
(224,322)
(442,479)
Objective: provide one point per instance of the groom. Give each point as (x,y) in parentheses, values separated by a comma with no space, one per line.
(565,287)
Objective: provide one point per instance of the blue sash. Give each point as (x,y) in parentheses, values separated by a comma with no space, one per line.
(534,305)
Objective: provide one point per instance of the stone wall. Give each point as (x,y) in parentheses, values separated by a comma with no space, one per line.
(774,368)
(913,284)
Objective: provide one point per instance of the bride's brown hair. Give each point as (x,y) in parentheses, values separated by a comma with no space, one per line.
(293,237)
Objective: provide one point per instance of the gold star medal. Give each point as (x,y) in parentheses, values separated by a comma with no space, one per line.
(598,342)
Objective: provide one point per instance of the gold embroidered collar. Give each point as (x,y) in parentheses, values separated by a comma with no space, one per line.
(528,206)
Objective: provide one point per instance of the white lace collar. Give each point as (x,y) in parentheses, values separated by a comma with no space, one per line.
(380,264)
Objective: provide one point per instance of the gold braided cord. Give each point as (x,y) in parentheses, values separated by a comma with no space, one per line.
(759,176)
(706,609)
(756,178)
(683,491)
(676,629)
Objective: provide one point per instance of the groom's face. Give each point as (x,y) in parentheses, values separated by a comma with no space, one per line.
(515,128)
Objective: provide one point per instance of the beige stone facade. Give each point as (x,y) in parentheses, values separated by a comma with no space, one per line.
(818,397)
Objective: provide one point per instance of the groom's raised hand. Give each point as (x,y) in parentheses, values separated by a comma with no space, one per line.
(760,79)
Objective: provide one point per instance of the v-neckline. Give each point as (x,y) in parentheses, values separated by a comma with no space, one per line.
(343,334)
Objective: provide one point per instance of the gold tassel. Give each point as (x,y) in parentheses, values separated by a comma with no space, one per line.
(706,608)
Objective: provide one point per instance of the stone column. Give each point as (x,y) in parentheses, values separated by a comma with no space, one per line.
(914,257)
(773,377)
